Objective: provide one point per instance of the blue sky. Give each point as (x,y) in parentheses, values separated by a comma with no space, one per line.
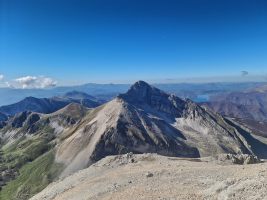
(79,41)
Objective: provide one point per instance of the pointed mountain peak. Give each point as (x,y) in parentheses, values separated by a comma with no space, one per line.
(141,92)
(141,84)
(140,87)
(72,109)
(78,95)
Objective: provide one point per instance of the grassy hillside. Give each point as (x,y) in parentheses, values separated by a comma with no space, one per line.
(27,166)
(33,177)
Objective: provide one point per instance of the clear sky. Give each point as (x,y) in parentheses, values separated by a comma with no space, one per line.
(78,41)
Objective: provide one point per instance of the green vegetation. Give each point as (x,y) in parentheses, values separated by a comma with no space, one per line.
(24,150)
(29,165)
(33,177)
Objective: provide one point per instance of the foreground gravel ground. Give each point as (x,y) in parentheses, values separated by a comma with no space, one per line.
(151,177)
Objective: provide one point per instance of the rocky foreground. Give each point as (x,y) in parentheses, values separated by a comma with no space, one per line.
(150,176)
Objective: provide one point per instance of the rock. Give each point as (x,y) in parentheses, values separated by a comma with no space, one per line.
(3,117)
(202,180)
(239,159)
(149,174)
(142,93)
(251,159)
(19,119)
(33,118)
(2,124)
(129,155)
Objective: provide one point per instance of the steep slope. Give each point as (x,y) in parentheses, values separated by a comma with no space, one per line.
(146,119)
(244,105)
(28,143)
(3,117)
(38,148)
(258,128)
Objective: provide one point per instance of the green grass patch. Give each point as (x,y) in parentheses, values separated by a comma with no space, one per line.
(33,178)
(32,157)
(23,151)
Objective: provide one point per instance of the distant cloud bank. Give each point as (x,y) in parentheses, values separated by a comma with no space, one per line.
(28,82)
(35,82)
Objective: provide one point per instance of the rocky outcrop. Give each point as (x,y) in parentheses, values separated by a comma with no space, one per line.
(19,119)
(3,117)
(142,94)
(239,159)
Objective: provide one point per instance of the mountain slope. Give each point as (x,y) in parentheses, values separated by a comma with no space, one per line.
(28,145)
(146,119)
(3,117)
(143,120)
(49,105)
(244,105)
(150,176)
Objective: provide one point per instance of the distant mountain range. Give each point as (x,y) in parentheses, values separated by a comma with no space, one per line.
(49,105)
(250,105)
(145,119)
(194,91)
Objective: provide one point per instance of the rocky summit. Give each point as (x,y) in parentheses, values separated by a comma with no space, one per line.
(151,176)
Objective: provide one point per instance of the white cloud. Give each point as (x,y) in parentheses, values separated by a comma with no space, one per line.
(8,84)
(1,77)
(27,82)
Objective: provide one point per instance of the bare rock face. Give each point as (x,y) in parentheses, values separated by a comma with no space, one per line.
(142,94)
(25,120)
(19,119)
(239,159)
(3,117)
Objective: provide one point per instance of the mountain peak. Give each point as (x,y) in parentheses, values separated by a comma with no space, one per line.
(141,92)
(140,87)
(77,95)
(29,99)
(141,84)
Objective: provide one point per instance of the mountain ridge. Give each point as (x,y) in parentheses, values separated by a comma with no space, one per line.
(143,120)
(49,105)
(146,119)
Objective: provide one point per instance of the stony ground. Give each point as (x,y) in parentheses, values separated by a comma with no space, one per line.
(153,177)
